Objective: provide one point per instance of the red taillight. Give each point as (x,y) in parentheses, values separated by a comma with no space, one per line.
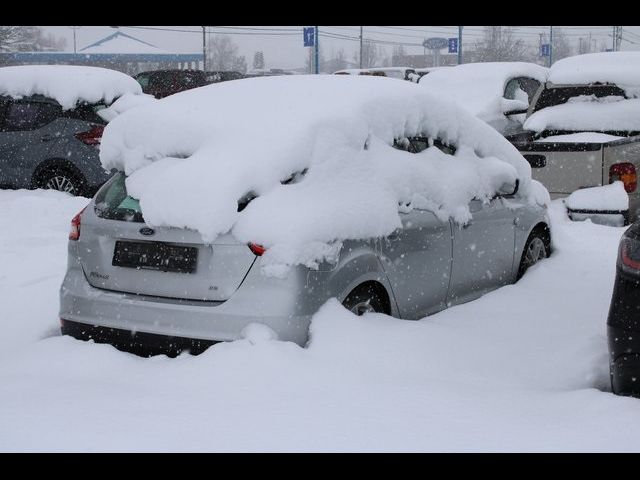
(74,233)
(91,137)
(630,254)
(257,249)
(626,173)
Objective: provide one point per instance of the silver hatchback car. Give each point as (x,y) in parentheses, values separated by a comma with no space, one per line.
(162,290)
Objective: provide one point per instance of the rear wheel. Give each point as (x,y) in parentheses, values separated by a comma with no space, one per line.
(365,299)
(537,248)
(62,179)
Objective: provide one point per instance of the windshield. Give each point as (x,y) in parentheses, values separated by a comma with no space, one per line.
(113,202)
(559,95)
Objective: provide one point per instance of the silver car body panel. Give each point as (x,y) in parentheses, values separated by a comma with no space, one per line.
(414,266)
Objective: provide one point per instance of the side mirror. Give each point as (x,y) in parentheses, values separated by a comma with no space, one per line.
(509,189)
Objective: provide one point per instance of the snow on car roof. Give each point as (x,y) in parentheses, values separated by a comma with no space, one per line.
(479,87)
(620,68)
(67,84)
(190,157)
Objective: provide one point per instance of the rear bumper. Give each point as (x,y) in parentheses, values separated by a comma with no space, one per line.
(624,361)
(144,344)
(212,321)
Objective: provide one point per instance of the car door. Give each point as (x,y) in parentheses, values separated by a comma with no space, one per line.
(518,88)
(24,138)
(417,257)
(417,261)
(482,251)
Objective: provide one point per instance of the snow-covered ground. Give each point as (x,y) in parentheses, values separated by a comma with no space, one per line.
(521,369)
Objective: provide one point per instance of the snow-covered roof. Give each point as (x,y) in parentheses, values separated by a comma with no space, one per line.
(190,157)
(621,68)
(119,42)
(66,83)
(479,87)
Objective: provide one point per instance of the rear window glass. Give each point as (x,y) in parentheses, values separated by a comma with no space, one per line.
(113,202)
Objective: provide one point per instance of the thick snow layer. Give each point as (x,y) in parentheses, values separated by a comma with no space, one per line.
(191,156)
(124,103)
(581,137)
(606,197)
(479,87)
(67,84)
(607,114)
(620,68)
(524,368)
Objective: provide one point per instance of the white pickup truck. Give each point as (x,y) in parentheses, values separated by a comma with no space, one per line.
(582,127)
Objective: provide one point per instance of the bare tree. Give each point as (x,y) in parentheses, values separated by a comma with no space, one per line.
(222,54)
(338,61)
(561,46)
(397,57)
(370,55)
(500,45)
(258,60)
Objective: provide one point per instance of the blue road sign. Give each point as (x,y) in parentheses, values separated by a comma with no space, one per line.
(453,45)
(545,50)
(309,34)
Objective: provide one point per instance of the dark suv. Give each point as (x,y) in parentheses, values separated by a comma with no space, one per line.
(44,146)
(162,83)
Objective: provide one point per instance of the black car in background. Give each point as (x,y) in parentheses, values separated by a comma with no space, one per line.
(162,83)
(623,323)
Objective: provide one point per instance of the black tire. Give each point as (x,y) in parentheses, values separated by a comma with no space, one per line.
(367,298)
(62,178)
(538,247)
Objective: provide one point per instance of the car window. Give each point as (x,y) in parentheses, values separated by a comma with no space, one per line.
(418,144)
(24,115)
(87,112)
(521,84)
(143,80)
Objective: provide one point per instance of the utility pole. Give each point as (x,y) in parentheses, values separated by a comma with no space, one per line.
(204,49)
(550,46)
(615,34)
(459,45)
(316,51)
(361,47)
(75,50)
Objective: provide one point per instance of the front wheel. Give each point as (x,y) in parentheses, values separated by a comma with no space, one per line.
(536,249)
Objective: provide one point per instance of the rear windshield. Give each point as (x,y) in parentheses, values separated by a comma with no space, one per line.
(113,202)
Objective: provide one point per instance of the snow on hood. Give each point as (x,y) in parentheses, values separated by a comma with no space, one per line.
(67,84)
(479,87)
(190,157)
(588,113)
(124,103)
(620,68)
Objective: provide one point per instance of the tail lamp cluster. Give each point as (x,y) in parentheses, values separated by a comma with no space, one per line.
(626,173)
(91,137)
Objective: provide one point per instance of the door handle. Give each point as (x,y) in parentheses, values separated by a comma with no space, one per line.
(47,138)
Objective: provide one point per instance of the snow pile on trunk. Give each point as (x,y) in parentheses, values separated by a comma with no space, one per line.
(607,197)
(68,85)
(620,68)
(479,87)
(588,113)
(191,157)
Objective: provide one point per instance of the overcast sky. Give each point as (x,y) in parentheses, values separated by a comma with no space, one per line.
(283,45)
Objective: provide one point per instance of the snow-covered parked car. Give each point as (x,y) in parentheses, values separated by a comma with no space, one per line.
(51,122)
(583,127)
(255,202)
(497,92)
